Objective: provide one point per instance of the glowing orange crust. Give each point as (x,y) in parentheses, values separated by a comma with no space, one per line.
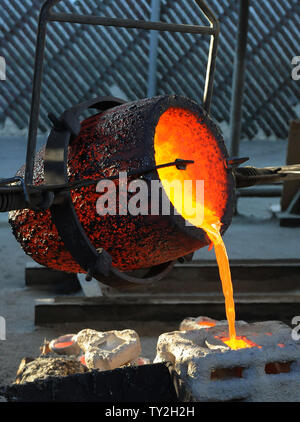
(122,139)
(63,344)
(181,134)
(206,323)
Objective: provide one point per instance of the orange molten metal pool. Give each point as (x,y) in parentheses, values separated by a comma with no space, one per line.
(63,344)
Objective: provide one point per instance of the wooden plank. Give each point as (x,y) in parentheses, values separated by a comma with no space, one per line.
(203,277)
(263,289)
(256,276)
(165,308)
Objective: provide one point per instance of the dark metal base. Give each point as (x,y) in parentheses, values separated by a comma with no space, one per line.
(164,308)
(144,384)
(289,220)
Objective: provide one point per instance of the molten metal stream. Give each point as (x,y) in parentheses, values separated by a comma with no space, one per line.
(213,232)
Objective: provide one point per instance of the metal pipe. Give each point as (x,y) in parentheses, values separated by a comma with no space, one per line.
(251,176)
(36,91)
(260,192)
(130,23)
(153,50)
(212,57)
(239,78)
(208,88)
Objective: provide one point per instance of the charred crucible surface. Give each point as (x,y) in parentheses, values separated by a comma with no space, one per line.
(134,136)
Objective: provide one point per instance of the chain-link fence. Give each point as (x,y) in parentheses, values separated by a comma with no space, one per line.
(84,61)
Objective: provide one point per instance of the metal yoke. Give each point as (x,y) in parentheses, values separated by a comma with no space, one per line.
(96,262)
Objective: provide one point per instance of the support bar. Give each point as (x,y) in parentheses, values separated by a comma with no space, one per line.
(130,23)
(153,51)
(239,79)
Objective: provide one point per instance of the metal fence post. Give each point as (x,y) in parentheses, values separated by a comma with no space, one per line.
(153,50)
(239,78)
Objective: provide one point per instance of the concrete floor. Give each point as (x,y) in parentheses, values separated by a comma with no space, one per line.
(254,233)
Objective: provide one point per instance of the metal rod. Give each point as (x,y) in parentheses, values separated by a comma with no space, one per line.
(208,88)
(213,49)
(239,78)
(153,50)
(130,23)
(260,192)
(36,97)
(251,176)
(180,164)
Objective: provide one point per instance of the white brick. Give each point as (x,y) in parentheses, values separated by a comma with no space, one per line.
(110,349)
(197,354)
